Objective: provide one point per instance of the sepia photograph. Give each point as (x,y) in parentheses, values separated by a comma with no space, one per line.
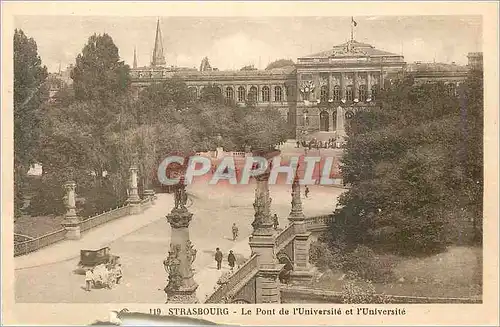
(213,160)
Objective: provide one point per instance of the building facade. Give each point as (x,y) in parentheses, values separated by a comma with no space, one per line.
(318,95)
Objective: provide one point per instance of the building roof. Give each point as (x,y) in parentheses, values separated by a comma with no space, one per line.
(352,49)
(435,67)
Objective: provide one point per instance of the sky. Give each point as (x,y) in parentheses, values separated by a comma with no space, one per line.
(233,42)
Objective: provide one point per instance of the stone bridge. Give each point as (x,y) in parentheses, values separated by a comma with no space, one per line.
(291,248)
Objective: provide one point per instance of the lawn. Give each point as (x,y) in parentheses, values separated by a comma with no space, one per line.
(37,226)
(455,273)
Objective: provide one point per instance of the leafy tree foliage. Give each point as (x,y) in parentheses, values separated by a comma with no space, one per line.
(280,63)
(30,92)
(99,73)
(414,167)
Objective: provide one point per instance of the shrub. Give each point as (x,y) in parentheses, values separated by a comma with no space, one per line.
(365,264)
(358,291)
(325,257)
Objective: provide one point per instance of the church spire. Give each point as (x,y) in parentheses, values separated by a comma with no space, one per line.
(158,58)
(135,59)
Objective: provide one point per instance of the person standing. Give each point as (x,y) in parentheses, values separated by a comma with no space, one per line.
(306,192)
(235,231)
(218,258)
(275,221)
(231,259)
(119,273)
(89,277)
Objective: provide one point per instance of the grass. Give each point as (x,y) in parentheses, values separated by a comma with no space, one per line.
(455,273)
(37,226)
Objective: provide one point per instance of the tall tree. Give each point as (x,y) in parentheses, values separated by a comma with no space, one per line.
(410,180)
(30,93)
(99,74)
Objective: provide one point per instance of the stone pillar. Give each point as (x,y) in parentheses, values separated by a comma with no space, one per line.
(342,86)
(71,223)
(181,287)
(369,84)
(340,125)
(317,87)
(262,242)
(133,196)
(330,86)
(301,243)
(356,86)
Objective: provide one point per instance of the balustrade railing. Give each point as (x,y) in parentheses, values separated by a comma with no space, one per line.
(39,242)
(104,217)
(284,236)
(319,221)
(244,273)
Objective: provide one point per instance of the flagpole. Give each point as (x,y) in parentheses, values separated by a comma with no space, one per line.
(352,28)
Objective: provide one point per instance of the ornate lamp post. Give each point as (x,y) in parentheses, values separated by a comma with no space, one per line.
(181,287)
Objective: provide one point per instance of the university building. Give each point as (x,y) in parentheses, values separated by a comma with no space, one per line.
(319,94)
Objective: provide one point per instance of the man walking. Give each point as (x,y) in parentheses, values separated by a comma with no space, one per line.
(89,277)
(306,192)
(235,231)
(218,258)
(231,259)
(275,221)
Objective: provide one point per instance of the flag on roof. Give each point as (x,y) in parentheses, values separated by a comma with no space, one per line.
(353,21)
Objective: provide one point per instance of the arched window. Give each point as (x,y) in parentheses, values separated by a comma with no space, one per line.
(193,92)
(450,89)
(252,95)
(324,93)
(278,94)
(219,90)
(241,94)
(348,93)
(336,93)
(229,93)
(265,94)
(374,92)
(362,93)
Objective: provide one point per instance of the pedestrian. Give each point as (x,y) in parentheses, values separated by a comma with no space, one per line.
(275,221)
(235,231)
(231,259)
(119,273)
(298,144)
(218,258)
(89,277)
(307,192)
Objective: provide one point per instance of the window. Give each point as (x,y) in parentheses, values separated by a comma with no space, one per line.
(324,93)
(362,93)
(252,95)
(229,93)
(193,92)
(241,94)
(336,93)
(374,92)
(348,93)
(450,89)
(278,94)
(218,90)
(265,94)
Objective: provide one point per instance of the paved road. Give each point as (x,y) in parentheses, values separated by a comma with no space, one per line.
(143,250)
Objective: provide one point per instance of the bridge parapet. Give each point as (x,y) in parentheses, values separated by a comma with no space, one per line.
(284,237)
(319,223)
(227,291)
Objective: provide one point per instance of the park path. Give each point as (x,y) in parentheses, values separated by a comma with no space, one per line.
(142,242)
(95,238)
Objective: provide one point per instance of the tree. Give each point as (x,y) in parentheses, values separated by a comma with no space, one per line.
(280,63)
(99,74)
(410,180)
(30,93)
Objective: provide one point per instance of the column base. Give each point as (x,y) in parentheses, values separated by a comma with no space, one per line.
(301,276)
(134,208)
(72,232)
(183,295)
(267,284)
